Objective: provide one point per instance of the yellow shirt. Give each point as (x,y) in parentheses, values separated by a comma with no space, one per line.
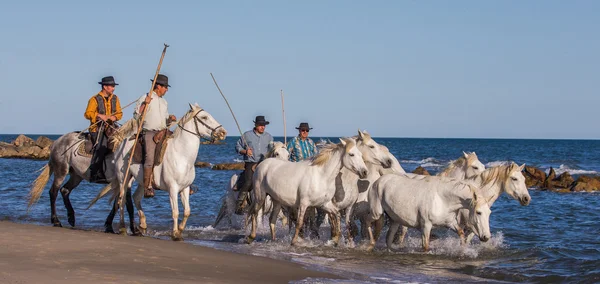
(92,109)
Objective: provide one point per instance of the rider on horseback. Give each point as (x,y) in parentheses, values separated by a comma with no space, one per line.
(103,110)
(156,120)
(257,143)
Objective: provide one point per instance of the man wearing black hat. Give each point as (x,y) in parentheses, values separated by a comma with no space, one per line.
(157,118)
(257,142)
(103,109)
(302,147)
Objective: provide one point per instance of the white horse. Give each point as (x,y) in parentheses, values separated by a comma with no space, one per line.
(492,184)
(304,184)
(276,150)
(176,172)
(423,202)
(462,168)
(350,188)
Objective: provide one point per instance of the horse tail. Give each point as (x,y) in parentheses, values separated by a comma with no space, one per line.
(101,194)
(38,185)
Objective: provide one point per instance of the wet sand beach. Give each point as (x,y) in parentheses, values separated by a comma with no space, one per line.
(41,254)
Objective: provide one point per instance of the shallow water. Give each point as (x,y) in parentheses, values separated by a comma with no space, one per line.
(554,239)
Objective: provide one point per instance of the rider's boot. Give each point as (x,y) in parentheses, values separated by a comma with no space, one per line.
(148,189)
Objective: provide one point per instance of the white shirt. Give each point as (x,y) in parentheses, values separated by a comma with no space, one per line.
(157,113)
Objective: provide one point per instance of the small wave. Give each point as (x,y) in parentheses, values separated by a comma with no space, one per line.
(497,164)
(431,165)
(563,168)
(238,160)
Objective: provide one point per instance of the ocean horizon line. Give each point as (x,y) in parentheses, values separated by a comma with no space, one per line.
(376,137)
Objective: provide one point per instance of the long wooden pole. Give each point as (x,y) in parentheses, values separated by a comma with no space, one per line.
(284,124)
(227,102)
(141,122)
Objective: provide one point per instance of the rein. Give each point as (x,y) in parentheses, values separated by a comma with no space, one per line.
(196,120)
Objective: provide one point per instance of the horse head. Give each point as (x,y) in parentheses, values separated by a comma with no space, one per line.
(479,215)
(352,158)
(278,150)
(472,165)
(373,152)
(203,124)
(514,184)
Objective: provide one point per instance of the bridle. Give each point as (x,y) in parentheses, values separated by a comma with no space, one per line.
(196,120)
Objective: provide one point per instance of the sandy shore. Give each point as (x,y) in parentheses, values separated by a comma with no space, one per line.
(38,254)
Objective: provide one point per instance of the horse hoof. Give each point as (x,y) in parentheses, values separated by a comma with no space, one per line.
(249,240)
(57,225)
(141,230)
(123,231)
(137,233)
(109,231)
(177,238)
(72,221)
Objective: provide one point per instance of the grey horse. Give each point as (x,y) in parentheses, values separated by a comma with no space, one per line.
(67,157)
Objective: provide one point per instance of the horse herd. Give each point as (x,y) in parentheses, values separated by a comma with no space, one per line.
(356,178)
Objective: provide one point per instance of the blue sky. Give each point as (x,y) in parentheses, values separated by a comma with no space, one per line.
(468,69)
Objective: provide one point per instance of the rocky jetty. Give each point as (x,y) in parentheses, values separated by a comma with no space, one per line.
(26,148)
(538,179)
(421,171)
(228,166)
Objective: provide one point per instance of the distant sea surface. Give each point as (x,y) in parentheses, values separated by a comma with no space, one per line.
(554,239)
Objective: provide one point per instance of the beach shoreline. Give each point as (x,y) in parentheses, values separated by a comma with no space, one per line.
(43,254)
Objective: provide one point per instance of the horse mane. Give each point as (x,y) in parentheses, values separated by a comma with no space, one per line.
(459,163)
(327,150)
(272,148)
(496,174)
(126,130)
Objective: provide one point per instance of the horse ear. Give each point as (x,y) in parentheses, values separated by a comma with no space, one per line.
(191,107)
(522,167)
(360,134)
(465,155)
(343,142)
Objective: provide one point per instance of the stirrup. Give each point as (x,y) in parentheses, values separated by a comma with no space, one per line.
(148,192)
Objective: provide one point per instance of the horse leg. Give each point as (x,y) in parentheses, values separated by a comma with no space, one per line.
(426,230)
(389,239)
(399,237)
(137,200)
(185,200)
(372,239)
(65,191)
(349,222)
(129,204)
(379,226)
(300,223)
(109,219)
(469,238)
(176,235)
(334,220)
(59,176)
(273,218)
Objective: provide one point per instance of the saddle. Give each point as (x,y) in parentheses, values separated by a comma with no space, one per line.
(161,139)
(85,148)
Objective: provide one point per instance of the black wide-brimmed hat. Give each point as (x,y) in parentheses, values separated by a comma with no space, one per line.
(108,80)
(303,125)
(162,80)
(260,120)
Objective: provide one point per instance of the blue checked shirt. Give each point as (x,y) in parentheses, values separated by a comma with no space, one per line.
(259,144)
(301,149)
